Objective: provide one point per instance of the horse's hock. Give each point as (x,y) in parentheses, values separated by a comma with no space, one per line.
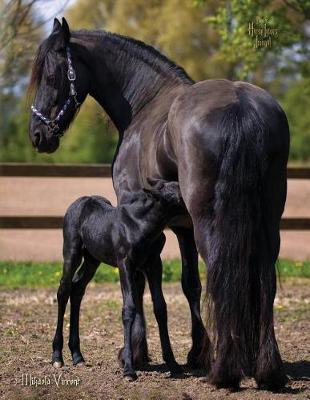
(45,196)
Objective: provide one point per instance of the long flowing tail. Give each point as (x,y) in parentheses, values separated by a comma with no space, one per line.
(234,258)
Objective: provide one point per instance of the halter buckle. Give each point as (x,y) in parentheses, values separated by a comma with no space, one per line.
(71,74)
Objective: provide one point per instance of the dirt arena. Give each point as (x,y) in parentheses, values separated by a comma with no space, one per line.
(51,196)
(27,319)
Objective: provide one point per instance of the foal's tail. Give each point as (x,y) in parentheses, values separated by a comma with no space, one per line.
(234,258)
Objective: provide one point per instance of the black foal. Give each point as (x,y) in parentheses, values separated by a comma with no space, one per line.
(129,237)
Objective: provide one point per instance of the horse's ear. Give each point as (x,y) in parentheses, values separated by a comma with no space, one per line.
(56,26)
(66,30)
(61,34)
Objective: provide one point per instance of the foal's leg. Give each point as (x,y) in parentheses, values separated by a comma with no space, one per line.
(81,279)
(154,276)
(72,260)
(139,343)
(200,353)
(128,315)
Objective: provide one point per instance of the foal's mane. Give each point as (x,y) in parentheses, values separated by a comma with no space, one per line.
(136,51)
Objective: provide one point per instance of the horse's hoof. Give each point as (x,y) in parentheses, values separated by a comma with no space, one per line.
(130,377)
(230,383)
(58,364)
(175,369)
(274,383)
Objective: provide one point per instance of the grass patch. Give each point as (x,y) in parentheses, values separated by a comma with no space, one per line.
(33,275)
(293,269)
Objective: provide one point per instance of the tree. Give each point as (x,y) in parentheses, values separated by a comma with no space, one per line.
(255,32)
(209,38)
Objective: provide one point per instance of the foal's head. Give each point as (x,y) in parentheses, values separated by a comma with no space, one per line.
(167,194)
(61,82)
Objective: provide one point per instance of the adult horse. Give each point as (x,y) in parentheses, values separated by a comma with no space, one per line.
(225,142)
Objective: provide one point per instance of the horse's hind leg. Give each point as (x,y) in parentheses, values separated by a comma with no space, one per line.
(269,371)
(81,279)
(72,260)
(200,353)
(154,275)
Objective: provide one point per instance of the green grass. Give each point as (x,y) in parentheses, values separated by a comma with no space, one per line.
(33,275)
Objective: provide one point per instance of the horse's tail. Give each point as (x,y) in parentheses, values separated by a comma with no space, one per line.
(234,258)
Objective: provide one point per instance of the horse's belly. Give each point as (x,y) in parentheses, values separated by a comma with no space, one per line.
(183,221)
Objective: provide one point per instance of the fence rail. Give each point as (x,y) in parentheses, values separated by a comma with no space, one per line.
(56,170)
(93,170)
(99,171)
(55,222)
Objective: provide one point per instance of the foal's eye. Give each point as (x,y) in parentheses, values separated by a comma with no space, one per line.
(50,80)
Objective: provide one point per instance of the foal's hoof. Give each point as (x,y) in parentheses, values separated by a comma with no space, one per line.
(58,364)
(78,360)
(80,364)
(130,377)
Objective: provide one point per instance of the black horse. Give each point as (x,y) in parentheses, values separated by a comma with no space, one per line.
(225,142)
(129,237)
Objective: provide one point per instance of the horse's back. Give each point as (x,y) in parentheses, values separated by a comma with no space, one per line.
(197,114)
(214,112)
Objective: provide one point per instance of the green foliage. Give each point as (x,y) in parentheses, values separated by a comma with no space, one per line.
(19,34)
(90,139)
(209,38)
(296,103)
(242,45)
(34,275)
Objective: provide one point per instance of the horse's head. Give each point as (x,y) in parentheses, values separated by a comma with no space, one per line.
(61,82)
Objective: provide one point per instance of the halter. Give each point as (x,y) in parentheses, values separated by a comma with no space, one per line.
(53,123)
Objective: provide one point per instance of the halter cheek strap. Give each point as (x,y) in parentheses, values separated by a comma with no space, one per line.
(53,123)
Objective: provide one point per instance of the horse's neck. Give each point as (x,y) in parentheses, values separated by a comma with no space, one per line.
(126,78)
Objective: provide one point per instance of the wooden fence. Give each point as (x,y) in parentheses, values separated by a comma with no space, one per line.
(99,171)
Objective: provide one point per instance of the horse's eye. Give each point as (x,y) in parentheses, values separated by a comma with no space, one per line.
(50,80)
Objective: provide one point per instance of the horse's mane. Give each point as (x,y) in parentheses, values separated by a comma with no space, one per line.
(38,63)
(137,50)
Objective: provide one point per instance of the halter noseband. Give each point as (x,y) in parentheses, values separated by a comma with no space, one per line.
(53,123)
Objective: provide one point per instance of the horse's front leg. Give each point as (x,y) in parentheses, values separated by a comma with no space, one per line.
(128,316)
(200,353)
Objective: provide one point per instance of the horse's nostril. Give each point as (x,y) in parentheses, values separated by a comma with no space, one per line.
(36,138)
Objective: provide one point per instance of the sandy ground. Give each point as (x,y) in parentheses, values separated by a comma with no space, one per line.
(27,320)
(51,196)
